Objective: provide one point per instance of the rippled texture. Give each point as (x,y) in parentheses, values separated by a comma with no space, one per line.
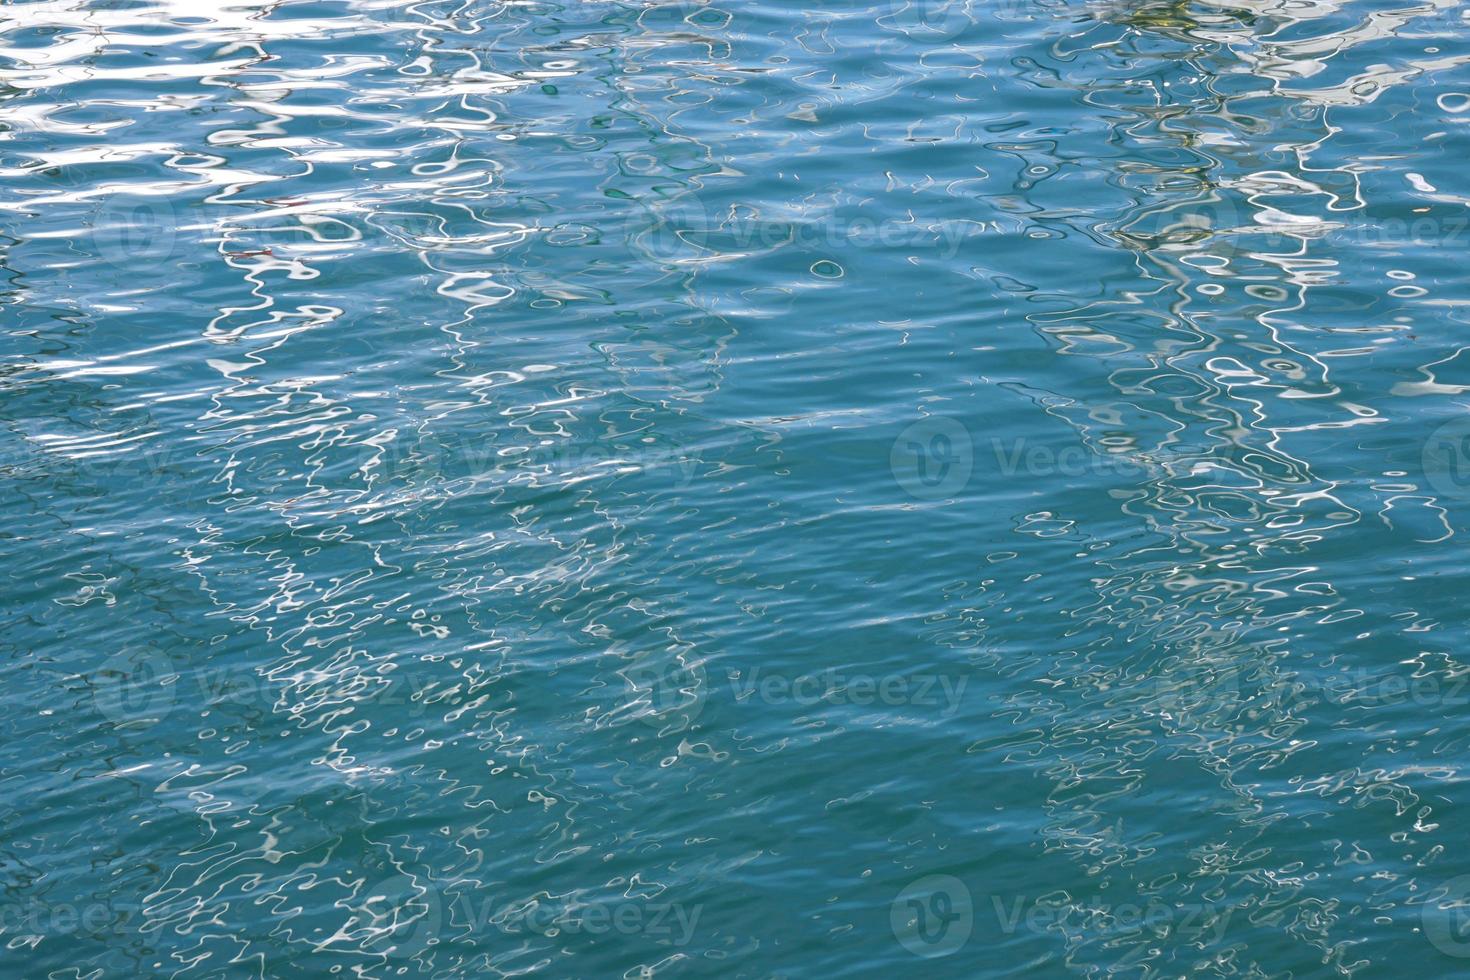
(738,490)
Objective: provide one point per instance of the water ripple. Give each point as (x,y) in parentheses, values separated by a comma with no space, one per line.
(611,489)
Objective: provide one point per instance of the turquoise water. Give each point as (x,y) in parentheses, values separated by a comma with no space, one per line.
(734,490)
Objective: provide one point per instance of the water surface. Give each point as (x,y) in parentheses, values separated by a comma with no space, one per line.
(609,489)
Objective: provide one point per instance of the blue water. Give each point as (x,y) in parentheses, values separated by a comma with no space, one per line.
(815,489)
